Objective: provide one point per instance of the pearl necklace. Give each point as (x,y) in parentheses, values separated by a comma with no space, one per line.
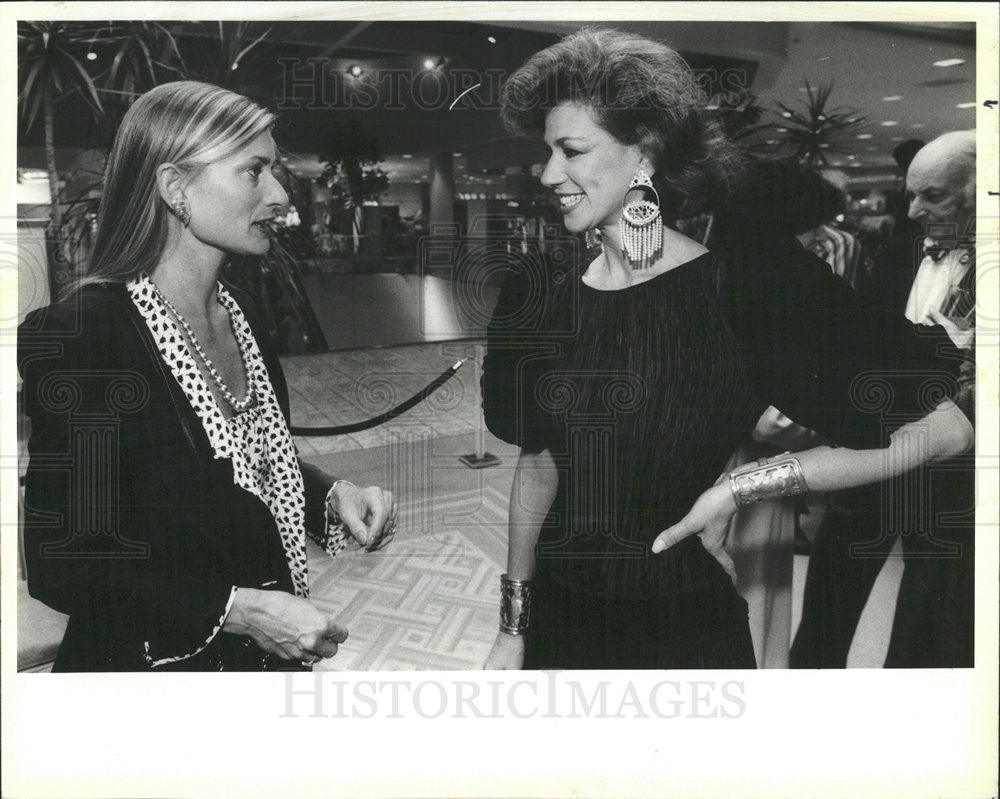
(237,405)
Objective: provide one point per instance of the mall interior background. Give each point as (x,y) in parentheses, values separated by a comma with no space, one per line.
(409,202)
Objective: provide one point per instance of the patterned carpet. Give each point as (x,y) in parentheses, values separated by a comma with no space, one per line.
(429,601)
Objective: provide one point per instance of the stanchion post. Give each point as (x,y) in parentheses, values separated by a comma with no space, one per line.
(479,459)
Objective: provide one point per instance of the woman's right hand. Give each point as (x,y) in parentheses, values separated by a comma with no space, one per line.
(507,653)
(284,625)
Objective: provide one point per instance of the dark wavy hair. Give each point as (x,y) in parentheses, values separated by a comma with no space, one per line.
(642,92)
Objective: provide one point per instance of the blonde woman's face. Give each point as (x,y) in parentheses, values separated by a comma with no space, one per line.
(589,169)
(231,199)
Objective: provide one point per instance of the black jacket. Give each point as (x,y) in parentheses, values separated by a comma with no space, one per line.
(132,527)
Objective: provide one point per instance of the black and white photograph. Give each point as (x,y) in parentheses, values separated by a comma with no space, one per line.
(553,399)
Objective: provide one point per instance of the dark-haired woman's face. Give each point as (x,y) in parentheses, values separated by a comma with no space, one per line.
(589,169)
(231,199)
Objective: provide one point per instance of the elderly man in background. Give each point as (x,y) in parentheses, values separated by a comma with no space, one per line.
(934,516)
(941,185)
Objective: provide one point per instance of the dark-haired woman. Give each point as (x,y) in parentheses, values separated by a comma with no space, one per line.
(630,378)
(166,508)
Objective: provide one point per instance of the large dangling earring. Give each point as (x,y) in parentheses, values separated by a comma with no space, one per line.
(592,239)
(641,225)
(183,212)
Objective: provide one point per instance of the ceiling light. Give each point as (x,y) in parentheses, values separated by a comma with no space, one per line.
(966,105)
(91,56)
(917,125)
(864,135)
(896,138)
(892,98)
(786,114)
(782,130)
(889,123)
(823,58)
(771,141)
(457,155)
(949,62)
(712,107)
(407,155)
(355,70)
(491,39)
(824,145)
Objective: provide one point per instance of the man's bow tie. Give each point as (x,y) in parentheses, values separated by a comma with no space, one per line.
(936,251)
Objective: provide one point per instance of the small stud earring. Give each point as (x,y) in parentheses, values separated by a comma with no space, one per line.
(182,211)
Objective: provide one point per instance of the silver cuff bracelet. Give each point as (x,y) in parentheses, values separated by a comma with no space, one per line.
(771,478)
(515,605)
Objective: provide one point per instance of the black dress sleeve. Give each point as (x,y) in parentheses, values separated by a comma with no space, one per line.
(133,579)
(521,343)
(827,358)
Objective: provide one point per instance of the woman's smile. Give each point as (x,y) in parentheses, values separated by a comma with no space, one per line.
(567,202)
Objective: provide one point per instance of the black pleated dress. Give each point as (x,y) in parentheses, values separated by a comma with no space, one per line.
(641,395)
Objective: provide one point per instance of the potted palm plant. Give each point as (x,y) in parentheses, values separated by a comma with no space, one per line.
(811,134)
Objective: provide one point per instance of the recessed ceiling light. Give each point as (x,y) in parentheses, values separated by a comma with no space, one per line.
(457,155)
(786,114)
(892,98)
(864,135)
(889,123)
(712,107)
(824,145)
(428,63)
(966,105)
(917,125)
(896,138)
(872,149)
(782,130)
(91,56)
(356,70)
(823,58)
(771,141)
(491,39)
(949,62)
(407,155)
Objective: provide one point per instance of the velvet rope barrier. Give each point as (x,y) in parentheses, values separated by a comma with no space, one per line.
(382,418)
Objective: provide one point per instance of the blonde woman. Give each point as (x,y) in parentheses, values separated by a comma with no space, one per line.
(166,506)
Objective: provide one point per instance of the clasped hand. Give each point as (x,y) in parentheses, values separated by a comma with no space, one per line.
(369,513)
(284,625)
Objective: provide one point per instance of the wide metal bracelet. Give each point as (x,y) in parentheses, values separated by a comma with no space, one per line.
(515,605)
(780,476)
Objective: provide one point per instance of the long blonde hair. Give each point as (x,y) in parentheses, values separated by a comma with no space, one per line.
(185,123)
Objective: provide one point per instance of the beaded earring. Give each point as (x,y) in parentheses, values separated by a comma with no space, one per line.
(641,224)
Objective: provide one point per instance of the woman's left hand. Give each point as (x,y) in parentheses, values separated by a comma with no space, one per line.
(369,513)
(709,518)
